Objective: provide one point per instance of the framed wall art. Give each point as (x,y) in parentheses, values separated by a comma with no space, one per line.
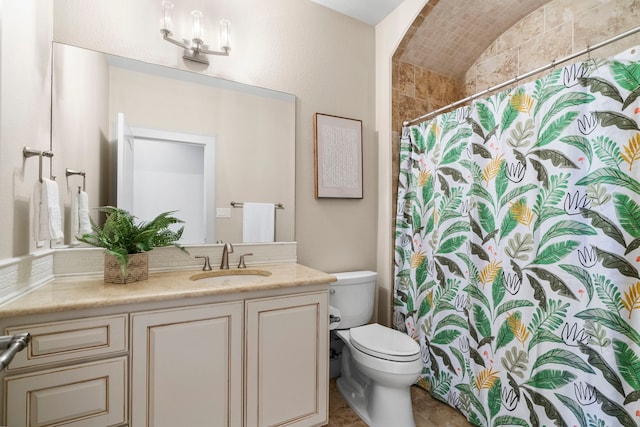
(337,157)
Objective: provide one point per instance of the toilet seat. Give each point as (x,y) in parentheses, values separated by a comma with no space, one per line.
(384,343)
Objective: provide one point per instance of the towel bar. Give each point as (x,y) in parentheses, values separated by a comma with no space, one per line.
(30,152)
(83,174)
(240,204)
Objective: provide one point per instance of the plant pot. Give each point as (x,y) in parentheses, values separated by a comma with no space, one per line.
(137,268)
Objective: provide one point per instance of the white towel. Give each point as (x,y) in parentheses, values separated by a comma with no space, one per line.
(84,226)
(47,211)
(80,222)
(258,222)
(75,221)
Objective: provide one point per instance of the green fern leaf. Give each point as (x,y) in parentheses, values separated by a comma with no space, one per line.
(628,363)
(608,293)
(509,223)
(451,245)
(562,357)
(509,115)
(564,101)
(549,319)
(550,379)
(555,128)
(598,84)
(612,321)
(626,75)
(505,335)
(619,120)
(573,407)
(582,275)
(613,409)
(446,337)
(544,336)
(581,143)
(566,228)
(487,119)
(615,261)
(605,224)
(555,252)
(549,408)
(628,212)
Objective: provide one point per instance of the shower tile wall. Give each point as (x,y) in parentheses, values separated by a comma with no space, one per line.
(554,31)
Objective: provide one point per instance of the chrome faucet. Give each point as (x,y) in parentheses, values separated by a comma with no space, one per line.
(226,250)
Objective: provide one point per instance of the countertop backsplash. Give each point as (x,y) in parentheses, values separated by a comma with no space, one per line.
(22,274)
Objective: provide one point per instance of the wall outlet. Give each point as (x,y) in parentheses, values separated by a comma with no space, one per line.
(223,212)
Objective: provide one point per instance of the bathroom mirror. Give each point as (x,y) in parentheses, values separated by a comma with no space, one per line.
(250,134)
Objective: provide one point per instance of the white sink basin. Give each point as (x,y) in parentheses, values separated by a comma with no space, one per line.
(230,276)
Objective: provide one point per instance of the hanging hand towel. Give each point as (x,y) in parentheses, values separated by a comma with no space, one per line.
(84,226)
(75,221)
(258,223)
(47,211)
(80,222)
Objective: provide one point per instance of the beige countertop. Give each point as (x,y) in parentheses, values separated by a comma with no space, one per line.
(75,293)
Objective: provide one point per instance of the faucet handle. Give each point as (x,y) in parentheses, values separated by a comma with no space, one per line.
(207,264)
(241,264)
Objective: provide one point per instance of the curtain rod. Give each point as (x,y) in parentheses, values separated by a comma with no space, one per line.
(524,76)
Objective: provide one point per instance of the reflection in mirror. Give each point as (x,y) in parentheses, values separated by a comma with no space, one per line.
(229,142)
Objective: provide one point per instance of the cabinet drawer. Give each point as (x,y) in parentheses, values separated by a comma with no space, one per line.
(88,395)
(70,340)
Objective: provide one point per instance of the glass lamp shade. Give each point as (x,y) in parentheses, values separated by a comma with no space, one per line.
(197,32)
(165,17)
(225,40)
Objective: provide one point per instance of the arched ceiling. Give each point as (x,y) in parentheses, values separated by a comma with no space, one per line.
(448,36)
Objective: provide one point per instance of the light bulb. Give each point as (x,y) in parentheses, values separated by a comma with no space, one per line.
(225,41)
(196,31)
(165,17)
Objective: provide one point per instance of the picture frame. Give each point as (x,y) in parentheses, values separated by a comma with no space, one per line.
(337,153)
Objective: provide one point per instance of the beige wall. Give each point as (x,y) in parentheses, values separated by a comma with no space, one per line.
(24,115)
(296,46)
(389,34)
(80,126)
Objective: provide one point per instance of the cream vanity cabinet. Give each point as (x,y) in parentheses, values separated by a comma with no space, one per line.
(73,373)
(188,366)
(287,356)
(246,359)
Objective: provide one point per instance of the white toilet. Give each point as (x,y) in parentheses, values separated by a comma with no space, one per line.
(379,364)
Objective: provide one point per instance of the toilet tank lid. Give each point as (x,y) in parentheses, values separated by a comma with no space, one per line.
(348,277)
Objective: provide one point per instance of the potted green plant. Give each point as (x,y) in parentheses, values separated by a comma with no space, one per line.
(127,241)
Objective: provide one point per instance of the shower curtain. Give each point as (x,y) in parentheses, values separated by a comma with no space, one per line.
(517,250)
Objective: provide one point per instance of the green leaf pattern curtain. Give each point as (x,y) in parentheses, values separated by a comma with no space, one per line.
(517,250)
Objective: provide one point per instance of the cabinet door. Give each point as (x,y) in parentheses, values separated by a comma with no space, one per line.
(287,358)
(187,367)
(88,395)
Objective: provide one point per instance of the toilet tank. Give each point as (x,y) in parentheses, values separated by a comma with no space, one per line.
(353,295)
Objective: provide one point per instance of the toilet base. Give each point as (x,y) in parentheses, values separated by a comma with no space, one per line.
(356,401)
(375,404)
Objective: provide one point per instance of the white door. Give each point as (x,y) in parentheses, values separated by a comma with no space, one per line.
(124,195)
(160,171)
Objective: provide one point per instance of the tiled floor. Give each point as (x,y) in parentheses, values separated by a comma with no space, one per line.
(427,411)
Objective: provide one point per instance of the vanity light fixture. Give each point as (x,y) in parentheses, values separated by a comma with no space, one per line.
(194,49)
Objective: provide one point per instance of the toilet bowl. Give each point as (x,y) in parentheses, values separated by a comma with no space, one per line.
(379,364)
